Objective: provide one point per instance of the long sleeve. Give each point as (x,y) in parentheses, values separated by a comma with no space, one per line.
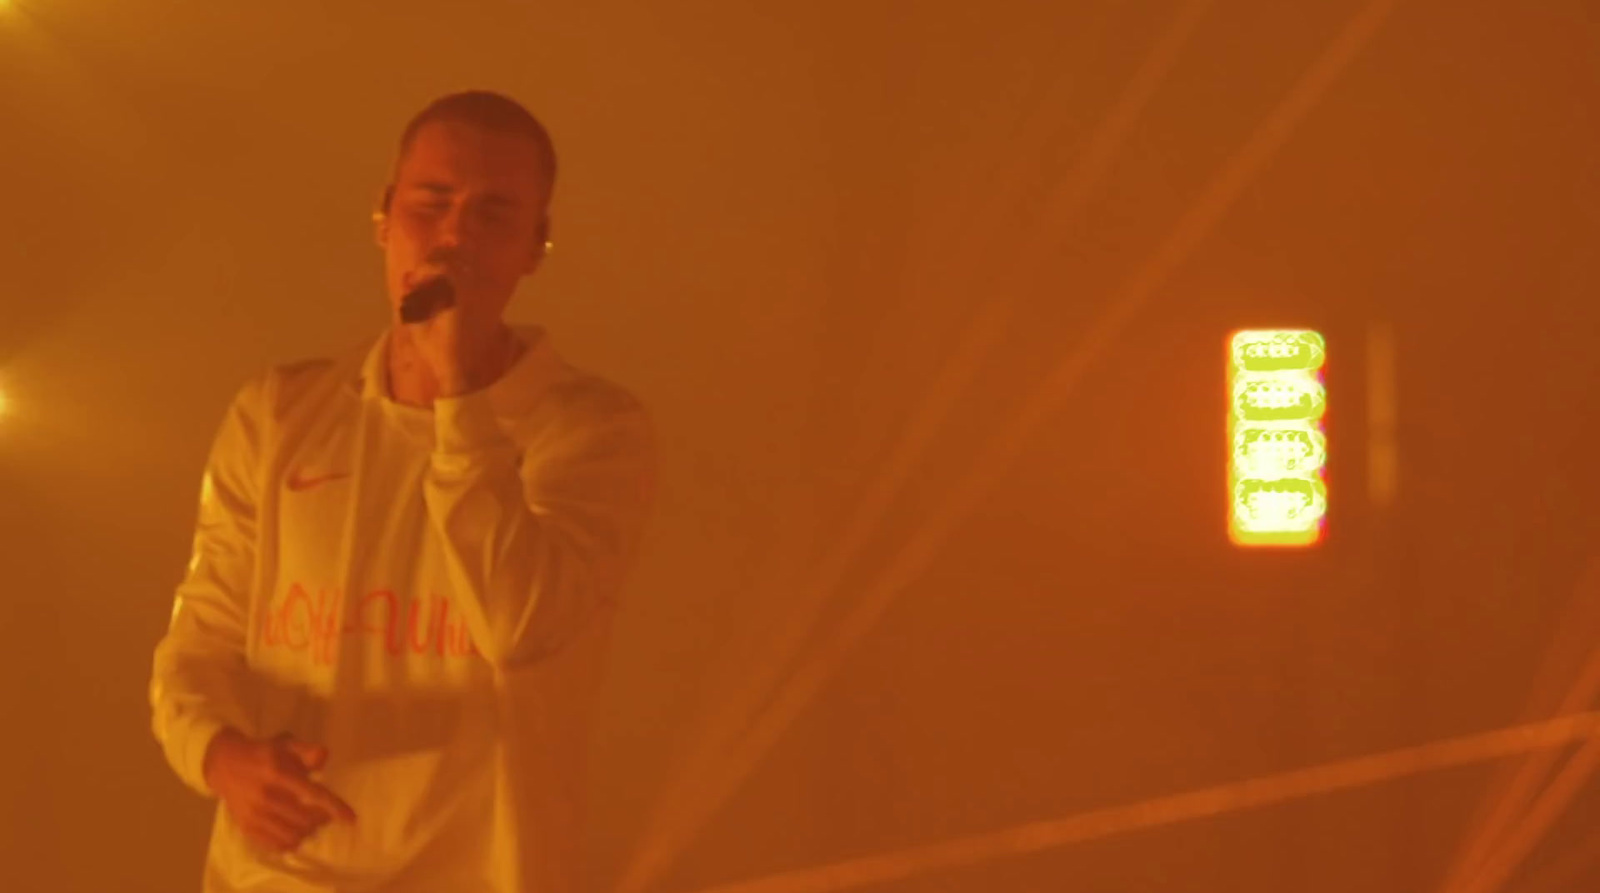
(538,539)
(195,685)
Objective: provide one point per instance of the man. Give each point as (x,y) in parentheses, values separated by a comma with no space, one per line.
(381,657)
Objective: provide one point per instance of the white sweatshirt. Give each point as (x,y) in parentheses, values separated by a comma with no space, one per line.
(428,593)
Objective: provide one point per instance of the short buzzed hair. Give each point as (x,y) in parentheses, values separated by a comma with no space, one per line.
(491,111)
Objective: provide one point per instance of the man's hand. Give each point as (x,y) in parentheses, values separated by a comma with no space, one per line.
(266,786)
(440,342)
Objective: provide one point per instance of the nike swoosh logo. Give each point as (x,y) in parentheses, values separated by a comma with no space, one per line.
(298,481)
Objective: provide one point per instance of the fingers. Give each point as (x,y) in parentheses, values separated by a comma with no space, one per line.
(286,807)
(267,790)
(311,756)
(278,821)
(315,796)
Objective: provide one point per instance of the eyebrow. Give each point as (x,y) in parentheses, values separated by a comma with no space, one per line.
(498,199)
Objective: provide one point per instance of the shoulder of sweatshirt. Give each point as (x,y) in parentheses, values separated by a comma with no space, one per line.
(576,397)
(276,389)
(579,406)
(291,384)
(586,394)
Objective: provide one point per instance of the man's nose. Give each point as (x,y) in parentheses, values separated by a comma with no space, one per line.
(452,227)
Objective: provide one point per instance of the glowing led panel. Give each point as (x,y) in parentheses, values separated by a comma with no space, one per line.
(1277,449)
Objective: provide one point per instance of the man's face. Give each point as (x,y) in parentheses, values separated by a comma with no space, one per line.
(470,203)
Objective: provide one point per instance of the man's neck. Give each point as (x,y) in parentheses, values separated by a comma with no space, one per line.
(412,383)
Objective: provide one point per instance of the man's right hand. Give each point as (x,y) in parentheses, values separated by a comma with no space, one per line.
(266,786)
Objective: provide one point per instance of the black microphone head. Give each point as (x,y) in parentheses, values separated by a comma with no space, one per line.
(422,302)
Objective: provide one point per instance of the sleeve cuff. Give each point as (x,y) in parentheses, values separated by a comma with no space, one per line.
(191,758)
(466,424)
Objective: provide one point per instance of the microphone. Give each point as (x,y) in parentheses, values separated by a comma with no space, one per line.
(421,303)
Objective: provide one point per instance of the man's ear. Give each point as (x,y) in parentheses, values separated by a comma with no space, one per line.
(380,218)
(541,245)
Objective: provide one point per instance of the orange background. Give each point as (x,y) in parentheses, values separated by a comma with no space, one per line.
(775,222)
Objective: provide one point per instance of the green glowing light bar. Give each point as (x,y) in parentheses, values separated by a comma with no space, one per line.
(1277,448)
